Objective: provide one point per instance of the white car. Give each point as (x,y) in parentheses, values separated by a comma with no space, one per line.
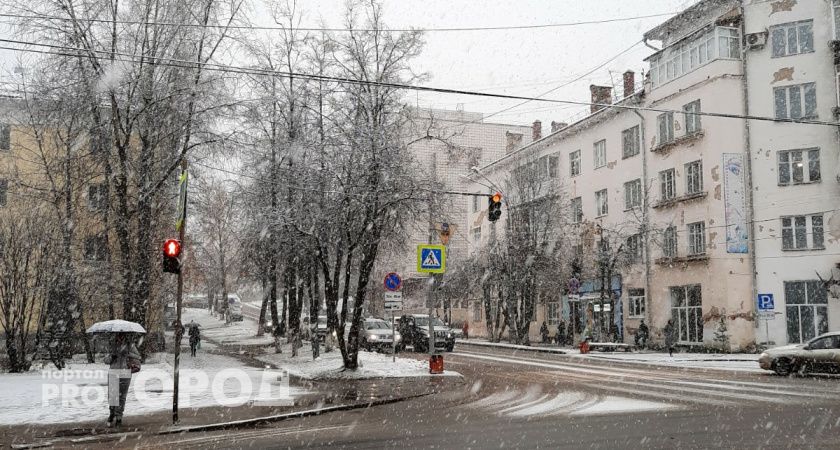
(820,354)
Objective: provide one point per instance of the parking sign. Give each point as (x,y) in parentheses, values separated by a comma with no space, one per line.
(765,302)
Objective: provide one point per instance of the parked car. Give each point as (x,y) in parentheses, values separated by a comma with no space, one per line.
(820,354)
(376,334)
(414,329)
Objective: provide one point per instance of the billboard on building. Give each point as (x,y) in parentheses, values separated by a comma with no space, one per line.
(734,200)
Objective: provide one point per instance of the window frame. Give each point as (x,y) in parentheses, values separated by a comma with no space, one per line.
(577,209)
(5,137)
(801,98)
(786,28)
(636,306)
(602,203)
(632,136)
(665,119)
(634,251)
(476,234)
(4,192)
(669,176)
(599,153)
(792,233)
(785,160)
(670,242)
(574,163)
(694,181)
(696,238)
(691,117)
(633,194)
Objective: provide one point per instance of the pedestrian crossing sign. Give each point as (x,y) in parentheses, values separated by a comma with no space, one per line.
(431,258)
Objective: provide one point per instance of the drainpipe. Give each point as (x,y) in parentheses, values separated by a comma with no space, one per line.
(748,180)
(645,216)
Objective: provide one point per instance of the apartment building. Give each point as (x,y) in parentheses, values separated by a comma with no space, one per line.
(712,209)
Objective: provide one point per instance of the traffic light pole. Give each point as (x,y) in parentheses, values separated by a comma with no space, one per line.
(179,294)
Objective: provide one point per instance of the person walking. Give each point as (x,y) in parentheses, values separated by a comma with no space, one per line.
(670,337)
(123,360)
(544,333)
(195,337)
(642,335)
(466,330)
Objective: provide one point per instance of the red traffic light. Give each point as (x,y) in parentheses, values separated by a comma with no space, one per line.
(172,248)
(497,197)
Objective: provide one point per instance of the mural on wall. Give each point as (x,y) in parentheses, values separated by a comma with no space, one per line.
(735,203)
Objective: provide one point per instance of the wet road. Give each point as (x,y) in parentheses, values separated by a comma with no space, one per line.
(524,400)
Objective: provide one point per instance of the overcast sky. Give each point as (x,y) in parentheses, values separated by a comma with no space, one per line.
(518,62)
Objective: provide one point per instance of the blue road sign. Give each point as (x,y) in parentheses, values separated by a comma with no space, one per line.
(431,258)
(765,302)
(393,282)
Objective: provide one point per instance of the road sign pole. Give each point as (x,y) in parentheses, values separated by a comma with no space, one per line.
(767,332)
(393,338)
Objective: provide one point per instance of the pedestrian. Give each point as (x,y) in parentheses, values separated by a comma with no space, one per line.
(544,333)
(195,337)
(560,338)
(123,360)
(642,335)
(466,330)
(670,337)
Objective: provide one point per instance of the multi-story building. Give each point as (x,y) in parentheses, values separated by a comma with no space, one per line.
(711,208)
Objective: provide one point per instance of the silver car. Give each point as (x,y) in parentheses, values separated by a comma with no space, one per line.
(820,354)
(376,334)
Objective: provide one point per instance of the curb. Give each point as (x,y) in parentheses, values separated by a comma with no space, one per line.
(555,351)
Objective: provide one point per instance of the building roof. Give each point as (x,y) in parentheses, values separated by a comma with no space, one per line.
(688,21)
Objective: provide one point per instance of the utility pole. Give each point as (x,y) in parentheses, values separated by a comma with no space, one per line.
(181,224)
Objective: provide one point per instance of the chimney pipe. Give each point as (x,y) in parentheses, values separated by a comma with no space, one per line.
(536,131)
(601,95)
(629,83)
(557,126)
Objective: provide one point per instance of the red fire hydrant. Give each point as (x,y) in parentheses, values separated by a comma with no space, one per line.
(436,364)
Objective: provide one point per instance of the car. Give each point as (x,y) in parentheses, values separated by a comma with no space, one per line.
(414,329)
(820,354)
(376,334)
(235,308)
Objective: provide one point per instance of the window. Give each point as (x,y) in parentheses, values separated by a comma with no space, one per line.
(574,163)
(5,137)
(630,142)
(796,232)
(669,242)
(476,310)
(694,177)
(836,8)
(697,238)
(98,197)
(577,210)
(729,41)
(636,303)
(687,313)
(600,153)
(691,112)
(553,313)
(4,189)
(667,186)
(665,125)
(601,203)
(806,305)
(476,203)
(553,163)
(792,38)
(95,248)
(633,249)
(792,166)
(633,194)
(476,235)
(796,102)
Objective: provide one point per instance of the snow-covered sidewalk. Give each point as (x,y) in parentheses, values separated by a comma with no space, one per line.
(236,333)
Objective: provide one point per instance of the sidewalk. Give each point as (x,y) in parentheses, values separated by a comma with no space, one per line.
(740,362)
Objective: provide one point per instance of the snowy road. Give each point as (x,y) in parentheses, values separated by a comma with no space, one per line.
(511,400)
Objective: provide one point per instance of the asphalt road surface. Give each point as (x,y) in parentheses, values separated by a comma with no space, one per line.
(524,400)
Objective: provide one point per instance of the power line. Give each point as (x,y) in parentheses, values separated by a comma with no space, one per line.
(338,30)
(172,62)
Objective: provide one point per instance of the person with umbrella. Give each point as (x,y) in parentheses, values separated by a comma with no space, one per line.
(123,360)
(195,336)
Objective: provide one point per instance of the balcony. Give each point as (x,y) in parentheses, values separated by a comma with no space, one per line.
(683,198)
(688,138)
(702,258)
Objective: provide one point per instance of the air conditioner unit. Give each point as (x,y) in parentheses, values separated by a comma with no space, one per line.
(756,41)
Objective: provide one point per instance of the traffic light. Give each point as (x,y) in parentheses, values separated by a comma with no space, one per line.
(171,256)
(495,209)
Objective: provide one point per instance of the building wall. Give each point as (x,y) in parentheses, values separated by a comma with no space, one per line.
(775,266)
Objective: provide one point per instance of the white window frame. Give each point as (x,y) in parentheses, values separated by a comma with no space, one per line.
(667,185)
(784,30)
(553,312)
(630,142)
(835,6)
(679,60)
(577,209)
(687,314)
(636,303)
(800,93)
(803,229)
(665,127)
(794,162)
(670,247)
(691,116)
(600,153)
(633,194)
(634,251)
(553,166)
(602,203)
(574,163)
(694,177)
(697,238)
